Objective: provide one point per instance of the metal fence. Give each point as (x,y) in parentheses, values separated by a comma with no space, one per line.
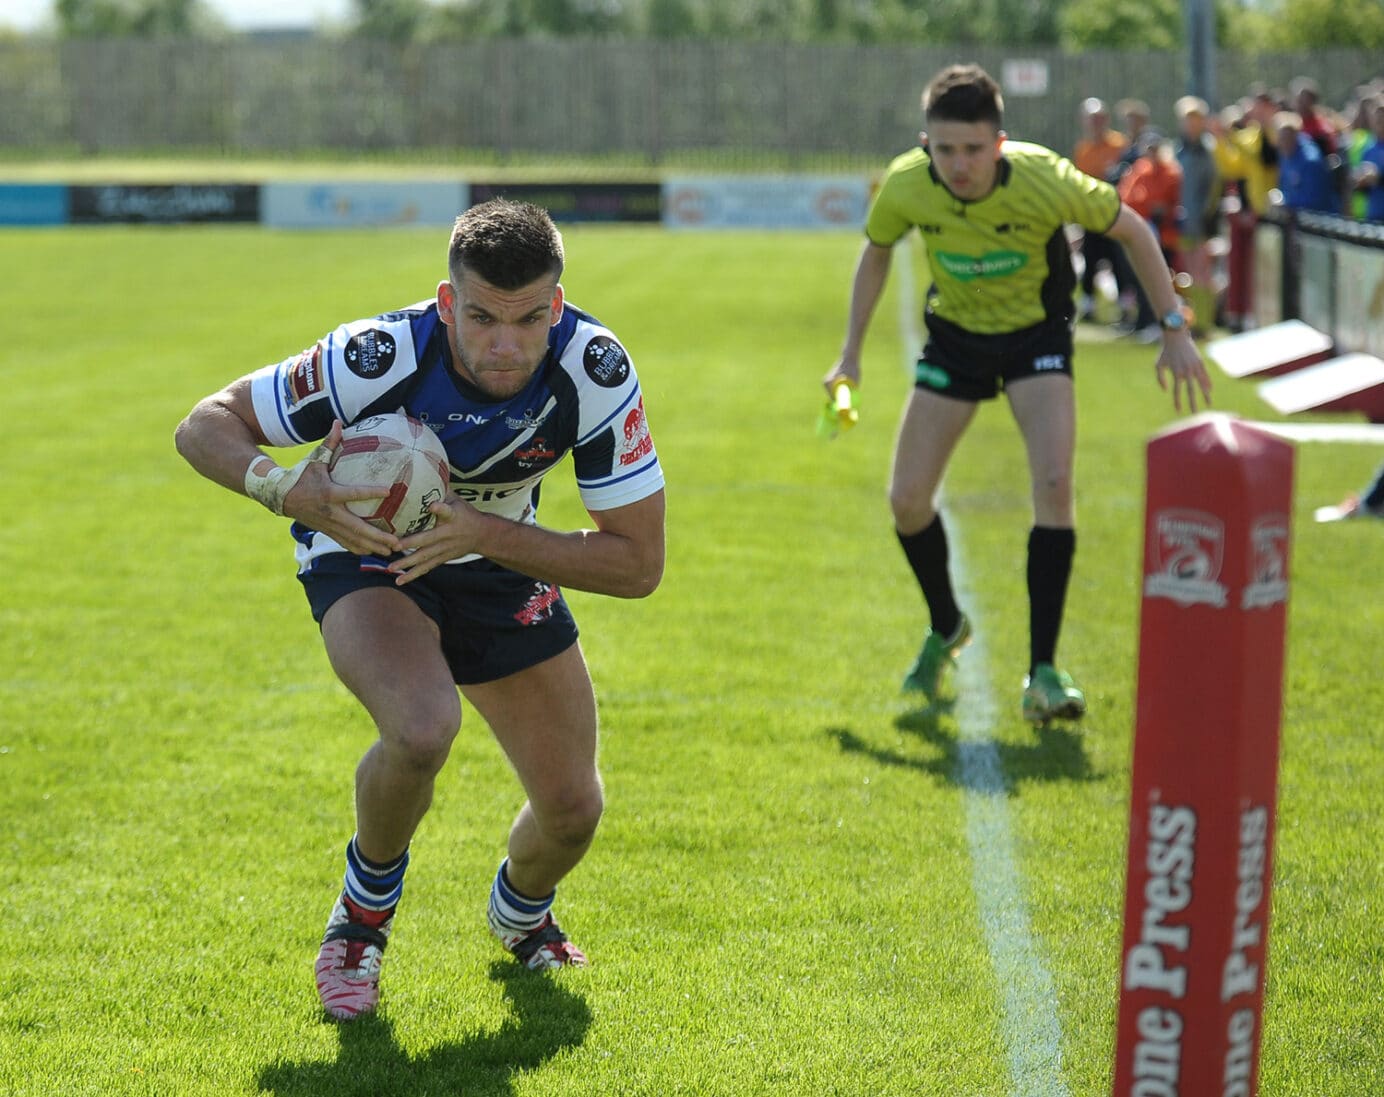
(725,105)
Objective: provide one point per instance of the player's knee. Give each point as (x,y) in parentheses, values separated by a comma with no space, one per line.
(571,818)
(421,738)
(912,510)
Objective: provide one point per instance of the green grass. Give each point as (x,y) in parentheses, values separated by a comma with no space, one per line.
(779,900)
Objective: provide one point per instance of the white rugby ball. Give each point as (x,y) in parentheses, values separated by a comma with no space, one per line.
(404,459)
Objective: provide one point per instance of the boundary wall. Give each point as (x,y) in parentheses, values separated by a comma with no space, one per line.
(679,202)
(1327,271)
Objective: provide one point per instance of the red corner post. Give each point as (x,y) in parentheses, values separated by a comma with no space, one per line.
(1204,787)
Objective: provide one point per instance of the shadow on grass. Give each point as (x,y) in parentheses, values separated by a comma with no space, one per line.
(546,1019)
(1055,753)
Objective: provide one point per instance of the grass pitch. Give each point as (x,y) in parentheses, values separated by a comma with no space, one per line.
(780,898)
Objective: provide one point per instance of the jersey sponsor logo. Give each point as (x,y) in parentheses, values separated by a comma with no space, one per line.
(605,362)
(370,353)
(480,493)
(524,422)
(934,377)
(637,443)
(993,264)
(304,377)
(470,418)
(1046,362)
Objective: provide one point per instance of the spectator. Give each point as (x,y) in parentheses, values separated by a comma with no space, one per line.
(1251,159)
(1361,136)
(1097,153)
(1306,97)
(1369,504)
(1152,188)
(1304,180)
(1368,179)
(1196,153)
(1134,114)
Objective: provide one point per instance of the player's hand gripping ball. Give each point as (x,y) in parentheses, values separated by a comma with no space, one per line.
(402,457)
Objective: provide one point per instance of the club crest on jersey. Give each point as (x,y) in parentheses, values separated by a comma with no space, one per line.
(636,443)
(370,353)
(536,453)
(605,362)
(304,377)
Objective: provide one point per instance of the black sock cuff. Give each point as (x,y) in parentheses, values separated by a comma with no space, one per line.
(1057,538)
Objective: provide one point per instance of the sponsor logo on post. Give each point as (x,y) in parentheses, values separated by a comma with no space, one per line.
(1158,961)
(1268,545)
(1188,549)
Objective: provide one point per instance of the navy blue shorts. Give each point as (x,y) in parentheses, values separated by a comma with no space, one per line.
(967,366)
(493,621)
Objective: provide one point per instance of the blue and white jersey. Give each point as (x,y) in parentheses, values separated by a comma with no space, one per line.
(584,398)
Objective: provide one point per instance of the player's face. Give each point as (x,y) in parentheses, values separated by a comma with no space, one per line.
(965,155)
(498,337)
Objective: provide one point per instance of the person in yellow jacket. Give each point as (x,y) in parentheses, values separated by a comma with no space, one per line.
(1246,157)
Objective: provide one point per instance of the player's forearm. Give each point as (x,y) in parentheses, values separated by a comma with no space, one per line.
(870,274)
(217,442)
(1146,258)
(590,560)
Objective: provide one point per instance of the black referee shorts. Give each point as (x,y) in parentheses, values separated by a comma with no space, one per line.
(968,366)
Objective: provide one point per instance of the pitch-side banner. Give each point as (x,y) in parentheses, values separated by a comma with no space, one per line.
(33,204)
(568,202)
(766,202)
(1204,789)
(188,202)
(362,204)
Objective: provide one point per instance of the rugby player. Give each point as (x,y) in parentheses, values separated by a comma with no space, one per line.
(511,377)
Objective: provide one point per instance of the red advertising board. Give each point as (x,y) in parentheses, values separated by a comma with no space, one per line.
(1204,785)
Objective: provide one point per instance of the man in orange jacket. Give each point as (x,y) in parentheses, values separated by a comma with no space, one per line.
(1152,188)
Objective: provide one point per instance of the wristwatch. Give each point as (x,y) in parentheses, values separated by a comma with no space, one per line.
(1172,321)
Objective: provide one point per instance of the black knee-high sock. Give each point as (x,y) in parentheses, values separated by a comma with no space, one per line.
(927,556)
(1050,552)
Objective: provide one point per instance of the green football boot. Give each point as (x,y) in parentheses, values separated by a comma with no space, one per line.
(938,653)
(1050,694)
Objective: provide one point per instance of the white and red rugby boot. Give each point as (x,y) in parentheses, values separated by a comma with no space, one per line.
(348,963)
(545,947)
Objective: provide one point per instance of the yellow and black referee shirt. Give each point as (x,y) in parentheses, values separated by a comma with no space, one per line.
(1002,262)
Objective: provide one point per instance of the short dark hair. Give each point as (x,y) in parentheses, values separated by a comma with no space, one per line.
(964,93)
(509,244)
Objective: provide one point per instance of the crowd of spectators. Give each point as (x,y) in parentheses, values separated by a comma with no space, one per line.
(1204,184)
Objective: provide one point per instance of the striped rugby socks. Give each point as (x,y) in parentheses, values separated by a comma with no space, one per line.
(372,886)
